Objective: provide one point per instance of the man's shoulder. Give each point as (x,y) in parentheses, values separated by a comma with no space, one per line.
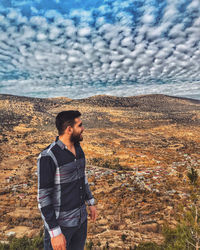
(47,150)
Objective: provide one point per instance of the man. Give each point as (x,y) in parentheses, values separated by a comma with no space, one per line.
(63,187)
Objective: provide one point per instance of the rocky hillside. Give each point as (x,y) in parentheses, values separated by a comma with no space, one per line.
(138,152)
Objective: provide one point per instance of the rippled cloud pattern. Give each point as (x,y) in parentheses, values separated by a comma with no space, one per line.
(82,48)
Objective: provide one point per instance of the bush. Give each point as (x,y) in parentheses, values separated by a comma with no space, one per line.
(111,163)
(148,246)
(106,246)
(123,237)
(192,175)
(24,243)
(89,245)
(175,238)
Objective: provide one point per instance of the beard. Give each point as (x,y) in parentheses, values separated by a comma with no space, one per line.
(76,138)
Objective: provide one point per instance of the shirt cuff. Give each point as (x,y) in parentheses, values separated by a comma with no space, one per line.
(91,202)
(55,231)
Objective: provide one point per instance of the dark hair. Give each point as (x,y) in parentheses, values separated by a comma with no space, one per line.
(65,119)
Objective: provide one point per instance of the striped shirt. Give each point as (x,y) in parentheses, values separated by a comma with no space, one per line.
(63,188)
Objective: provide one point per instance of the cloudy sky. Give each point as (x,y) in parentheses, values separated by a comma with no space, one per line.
(79,48)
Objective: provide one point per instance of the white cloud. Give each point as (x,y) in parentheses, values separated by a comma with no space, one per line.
(128,42)
(100,21)
(60,52)
(13,14)
(52,14)
(86,31)
(104,9)
(41,36)
(171,12)
(71,31)
(127,62)
(148,19)
(176,31)
(27,32)
(194,5)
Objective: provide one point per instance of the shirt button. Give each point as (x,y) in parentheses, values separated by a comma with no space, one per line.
(80,187)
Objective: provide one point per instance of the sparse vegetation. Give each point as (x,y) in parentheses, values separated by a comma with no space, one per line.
(24,243)
(148,246)
(106,246)
(193,175)
(124,236)
(89,245)
(109,163)
(186,235)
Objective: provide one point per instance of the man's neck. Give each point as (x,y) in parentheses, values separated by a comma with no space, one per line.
(66,141)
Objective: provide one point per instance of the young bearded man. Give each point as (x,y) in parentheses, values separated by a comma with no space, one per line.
(63,187)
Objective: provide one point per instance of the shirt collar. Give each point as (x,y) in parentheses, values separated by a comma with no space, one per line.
(62,145)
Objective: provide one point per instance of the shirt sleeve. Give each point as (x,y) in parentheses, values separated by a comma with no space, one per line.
(89,197)
(46,170)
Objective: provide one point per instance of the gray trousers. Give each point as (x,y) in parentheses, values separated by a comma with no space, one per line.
(75,237)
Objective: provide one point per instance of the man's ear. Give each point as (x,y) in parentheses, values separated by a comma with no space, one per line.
(69,129)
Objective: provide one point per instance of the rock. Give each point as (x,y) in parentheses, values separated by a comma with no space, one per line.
(103,221)
(11,233)
(151,227)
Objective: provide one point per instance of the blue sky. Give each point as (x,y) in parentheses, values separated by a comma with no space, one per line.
(83,48)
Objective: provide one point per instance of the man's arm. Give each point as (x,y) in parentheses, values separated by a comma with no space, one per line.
(46,172)
(89,197)
(90,201)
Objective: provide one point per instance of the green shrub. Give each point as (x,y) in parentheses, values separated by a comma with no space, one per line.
(106,246)
(123,237)
(192,175)
(110,163)
(148,246)
(24,243)
(89,245)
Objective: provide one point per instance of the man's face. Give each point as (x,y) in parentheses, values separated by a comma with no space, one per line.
(78,129)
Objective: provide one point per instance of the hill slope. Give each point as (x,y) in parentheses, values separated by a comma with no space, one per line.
(153,139)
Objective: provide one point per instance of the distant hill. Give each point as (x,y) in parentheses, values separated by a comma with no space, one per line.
(143,102)
(175,109)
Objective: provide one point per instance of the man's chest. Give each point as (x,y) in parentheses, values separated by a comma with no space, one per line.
(71,171)
(68,156)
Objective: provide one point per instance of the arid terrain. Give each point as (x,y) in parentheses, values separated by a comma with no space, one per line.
(138,152)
